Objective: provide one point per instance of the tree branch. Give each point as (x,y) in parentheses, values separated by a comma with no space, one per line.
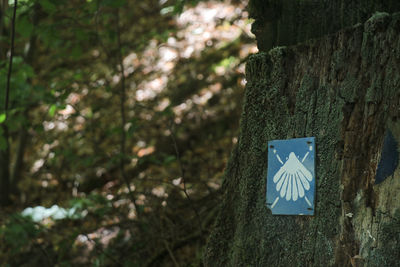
(183,176)
(122,94)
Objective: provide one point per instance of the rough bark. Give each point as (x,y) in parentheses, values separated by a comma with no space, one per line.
(287,22)
(344,89)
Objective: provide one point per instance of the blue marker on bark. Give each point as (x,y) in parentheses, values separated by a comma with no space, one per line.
(389,158)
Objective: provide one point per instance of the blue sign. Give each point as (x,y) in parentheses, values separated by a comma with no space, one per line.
(291,176)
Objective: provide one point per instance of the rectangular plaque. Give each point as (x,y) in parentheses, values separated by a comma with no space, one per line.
(291,176)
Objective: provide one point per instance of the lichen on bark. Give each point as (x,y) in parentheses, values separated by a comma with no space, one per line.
(344,89)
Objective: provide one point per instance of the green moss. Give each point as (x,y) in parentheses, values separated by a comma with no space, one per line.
(389,236)
(350,88)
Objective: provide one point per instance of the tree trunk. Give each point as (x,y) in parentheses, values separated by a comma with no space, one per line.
(5,151)
(5,189)
(344,89)
(287,22)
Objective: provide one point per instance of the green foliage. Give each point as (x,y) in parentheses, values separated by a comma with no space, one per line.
(21,93)
(24,26)
(65,117)
(95,204)
(48,6)
(17,233)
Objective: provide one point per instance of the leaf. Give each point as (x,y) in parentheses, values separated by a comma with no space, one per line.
(167,10)
(2,117)
(52,110)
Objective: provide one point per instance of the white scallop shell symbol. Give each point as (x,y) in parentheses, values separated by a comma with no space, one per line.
(293,179)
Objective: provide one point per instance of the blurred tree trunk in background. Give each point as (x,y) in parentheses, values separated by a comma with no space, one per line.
(10,170)
(344,89)
(4,151)
(4,176)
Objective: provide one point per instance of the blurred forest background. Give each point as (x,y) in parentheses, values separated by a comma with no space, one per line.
(120,118)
